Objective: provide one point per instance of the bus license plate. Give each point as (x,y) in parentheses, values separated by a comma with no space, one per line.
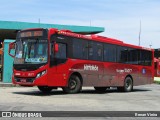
(23,80)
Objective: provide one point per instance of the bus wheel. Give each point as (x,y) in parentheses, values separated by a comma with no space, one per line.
(100,89)
(45,89)
(74,85)
(128,85)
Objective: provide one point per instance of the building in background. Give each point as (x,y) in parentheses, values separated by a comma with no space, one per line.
(9,29)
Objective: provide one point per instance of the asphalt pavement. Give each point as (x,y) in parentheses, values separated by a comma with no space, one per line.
(143,98)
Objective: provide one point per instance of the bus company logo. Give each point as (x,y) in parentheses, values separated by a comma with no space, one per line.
(91,67)
(143,71)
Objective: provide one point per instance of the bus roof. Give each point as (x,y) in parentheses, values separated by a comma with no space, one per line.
(93,37)
(102,39)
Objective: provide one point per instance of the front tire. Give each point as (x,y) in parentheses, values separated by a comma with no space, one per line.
(128,85)
(74,85)
(45,89)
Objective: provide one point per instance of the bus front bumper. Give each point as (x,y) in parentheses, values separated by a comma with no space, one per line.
(30,81)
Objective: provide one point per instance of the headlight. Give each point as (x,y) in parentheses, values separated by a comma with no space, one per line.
(44,72)
(41,73)
(38,75)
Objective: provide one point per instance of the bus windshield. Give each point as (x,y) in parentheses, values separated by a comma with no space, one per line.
(31,51)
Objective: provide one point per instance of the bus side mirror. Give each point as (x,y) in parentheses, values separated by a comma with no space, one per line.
(11,49)
(56,47)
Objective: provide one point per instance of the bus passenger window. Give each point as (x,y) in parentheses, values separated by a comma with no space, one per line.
(99,52)
(95,51)
(80,48)
(109,53)
(61,54)
(90,53)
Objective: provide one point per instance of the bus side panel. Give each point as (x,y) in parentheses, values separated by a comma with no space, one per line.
(91,71)
(145,76)
(57,75)
(110,75)
(115,73)
(99,73)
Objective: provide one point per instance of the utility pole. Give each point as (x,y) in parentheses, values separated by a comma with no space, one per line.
(39,21)
(140,34)
(90,23)
(150,46)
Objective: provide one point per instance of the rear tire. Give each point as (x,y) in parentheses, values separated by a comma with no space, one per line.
(74,85)
(128,85)
(45,89)
(100,89)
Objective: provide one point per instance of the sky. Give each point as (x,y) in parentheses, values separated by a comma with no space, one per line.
(120,18)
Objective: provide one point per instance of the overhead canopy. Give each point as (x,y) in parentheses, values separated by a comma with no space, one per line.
(8,29)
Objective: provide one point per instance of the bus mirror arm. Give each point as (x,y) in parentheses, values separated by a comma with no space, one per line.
(55,48)
(11,46)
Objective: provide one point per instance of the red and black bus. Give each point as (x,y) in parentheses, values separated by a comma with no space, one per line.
(157,63)
(52,58)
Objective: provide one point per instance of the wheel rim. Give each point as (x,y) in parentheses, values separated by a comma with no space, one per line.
(72,84)
(128,84)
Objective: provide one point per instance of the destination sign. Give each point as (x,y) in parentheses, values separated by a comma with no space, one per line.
(31,34)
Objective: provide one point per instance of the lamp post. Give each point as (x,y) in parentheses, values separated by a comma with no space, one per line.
(150,46)
(140,34)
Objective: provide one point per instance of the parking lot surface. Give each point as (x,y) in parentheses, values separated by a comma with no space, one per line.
(143,98)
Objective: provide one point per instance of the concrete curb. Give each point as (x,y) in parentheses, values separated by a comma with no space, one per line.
(7,85)
(157,82)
